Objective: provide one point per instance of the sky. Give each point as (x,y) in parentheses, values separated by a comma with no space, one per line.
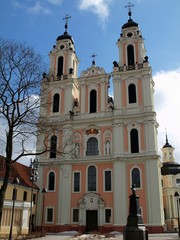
(95,26)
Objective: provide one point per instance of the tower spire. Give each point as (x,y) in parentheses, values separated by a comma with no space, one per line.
(167,143)
(129,6)
(166,136)
(66,18)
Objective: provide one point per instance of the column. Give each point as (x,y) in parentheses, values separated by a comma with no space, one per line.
(103,94)
(83,98)
(120,193)
(117,144)
(65,195)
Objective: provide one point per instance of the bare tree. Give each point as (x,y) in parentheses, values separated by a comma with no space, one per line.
(21,72)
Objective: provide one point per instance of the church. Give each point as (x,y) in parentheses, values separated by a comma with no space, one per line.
(99,145)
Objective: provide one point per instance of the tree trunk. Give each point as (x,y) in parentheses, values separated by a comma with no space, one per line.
(4,187)
(7,170)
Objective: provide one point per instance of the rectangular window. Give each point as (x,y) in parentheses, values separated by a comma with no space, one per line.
(77,182)
(75,215)
(108,180)
(34,198)
(50,215)
(25,196)
(107,215)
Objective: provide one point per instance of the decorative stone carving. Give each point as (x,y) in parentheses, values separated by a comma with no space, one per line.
(91,201)
(92,71)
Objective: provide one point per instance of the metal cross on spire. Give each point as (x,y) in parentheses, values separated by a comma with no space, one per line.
(66,18)
(93,56)
(129,6)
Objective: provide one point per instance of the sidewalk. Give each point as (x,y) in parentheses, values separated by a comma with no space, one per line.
(162,236)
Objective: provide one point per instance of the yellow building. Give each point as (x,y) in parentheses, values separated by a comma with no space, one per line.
(170,171)
(22,203)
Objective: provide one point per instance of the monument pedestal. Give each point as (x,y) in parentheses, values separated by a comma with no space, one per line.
(135,229)
(135,233)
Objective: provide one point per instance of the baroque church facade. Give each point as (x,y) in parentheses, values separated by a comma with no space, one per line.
(99,145)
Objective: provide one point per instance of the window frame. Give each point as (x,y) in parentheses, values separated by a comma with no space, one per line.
(48,183)
(105,216)
(76,172)
(133,140)
(131,51)
(60,69)
(92,148)
(93,101)
(50,208)
(56,103)
(53,147)
(140,177)
(94,177)
(25,195)
(105,189)
(132,93)
(75,209)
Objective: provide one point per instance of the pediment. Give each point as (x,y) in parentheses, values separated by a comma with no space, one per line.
(92,71)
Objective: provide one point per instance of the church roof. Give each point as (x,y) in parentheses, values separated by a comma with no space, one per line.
(65,36)
(170,168)
(167,145)
(130,23)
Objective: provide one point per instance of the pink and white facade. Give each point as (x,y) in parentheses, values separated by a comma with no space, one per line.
(107,143)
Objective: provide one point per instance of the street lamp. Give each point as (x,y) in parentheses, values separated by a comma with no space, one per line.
(42,220)
(34,165)
(15,182)
(176,195)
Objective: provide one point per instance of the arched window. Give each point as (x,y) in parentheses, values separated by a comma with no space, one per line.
(134,141)
(92,147)
(132,93)
(130,53)
(93,101)
(136,178)
(60,66)
(56,103)
(51,181)
(91,178)
(53,147)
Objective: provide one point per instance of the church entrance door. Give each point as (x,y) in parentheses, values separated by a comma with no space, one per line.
(91,220)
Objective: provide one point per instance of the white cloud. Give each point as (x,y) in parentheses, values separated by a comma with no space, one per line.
(167,100)
(98,7)
(38,8)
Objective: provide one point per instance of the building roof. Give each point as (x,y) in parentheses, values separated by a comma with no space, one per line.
(167,145)
(65,36)
(130,23)
(170,168)
(18,170)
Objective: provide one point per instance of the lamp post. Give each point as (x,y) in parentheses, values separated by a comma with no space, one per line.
(34,165)
(42,220)
(176,195)
(15,182)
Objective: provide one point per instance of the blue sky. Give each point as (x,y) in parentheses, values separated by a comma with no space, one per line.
(95,26)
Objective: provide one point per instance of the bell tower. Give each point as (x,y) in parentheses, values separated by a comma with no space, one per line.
(167,152)
(63,59)
(136,129)
(60,86)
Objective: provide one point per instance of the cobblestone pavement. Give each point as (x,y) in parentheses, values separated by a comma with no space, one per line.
(162,236)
